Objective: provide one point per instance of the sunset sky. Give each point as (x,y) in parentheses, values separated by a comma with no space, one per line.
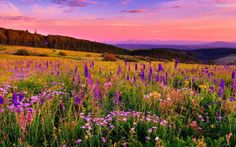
(120,20)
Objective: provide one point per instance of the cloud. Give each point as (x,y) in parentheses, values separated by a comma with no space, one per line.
(133,11)
(75,3)
(125,2)
(7,7)
(16,18)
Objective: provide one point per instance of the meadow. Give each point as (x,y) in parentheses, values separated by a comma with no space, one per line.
(81,100)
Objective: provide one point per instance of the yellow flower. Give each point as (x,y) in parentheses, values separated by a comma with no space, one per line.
(156,95)
(186,83)
(191,92)
(230,106)
(203,87)
(201,143)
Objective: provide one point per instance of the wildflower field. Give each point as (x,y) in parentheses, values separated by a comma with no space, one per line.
(55,101)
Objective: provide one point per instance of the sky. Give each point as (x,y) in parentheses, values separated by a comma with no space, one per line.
(121,20)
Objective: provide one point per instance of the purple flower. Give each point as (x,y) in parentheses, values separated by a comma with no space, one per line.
(142,75)
(144,66)
(127,78)
(157,78)
(232,99)
(221,88)
(160,68)
(212,88)
(104,140)
(1,100)
(76,69)
(119,70)
(90,81)
(97,94)
(77,100)
(176,63)
(21,96)
(134,79)
(150,74)
(117,98)
(136,67)
(233,75)
(14,99)
(222,84)
(86,71)
(58,73)
(78,141)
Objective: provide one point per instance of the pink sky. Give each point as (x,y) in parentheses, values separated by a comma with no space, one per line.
(118,20)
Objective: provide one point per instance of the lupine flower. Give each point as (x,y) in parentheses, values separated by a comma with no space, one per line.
(142,75)
(77,100)
(117,98)
(136,67)
(1,100)
(144,66)
(157,78)
(127,78)
(119,70)
(21,96)
(160,68)
(97,94)
(76,69)
(90,81)
(134,79)
(58,73)
(176,63)
(233,75)
(14,99)
(221,88)
(150,74)
(86,71)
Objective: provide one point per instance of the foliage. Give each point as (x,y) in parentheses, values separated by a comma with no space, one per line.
(23,52)
(62,54)
(109,57)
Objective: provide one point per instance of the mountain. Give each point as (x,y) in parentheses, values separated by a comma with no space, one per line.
(187,46)
(25,38)
(190,56)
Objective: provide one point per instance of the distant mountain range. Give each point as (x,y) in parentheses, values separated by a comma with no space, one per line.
(217,44)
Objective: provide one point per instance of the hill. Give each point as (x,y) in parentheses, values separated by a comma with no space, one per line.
(25,38)
(211,45)
(164,53)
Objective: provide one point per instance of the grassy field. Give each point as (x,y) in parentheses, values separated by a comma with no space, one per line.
(81,100)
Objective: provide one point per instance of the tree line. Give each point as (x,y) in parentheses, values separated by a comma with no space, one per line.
(25,38)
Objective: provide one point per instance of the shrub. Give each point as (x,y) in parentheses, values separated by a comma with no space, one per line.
(42,54)
(62,54)
(109,57)
(23,52)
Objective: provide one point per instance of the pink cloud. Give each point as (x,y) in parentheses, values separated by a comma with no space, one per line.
(133,11)
(75,3)
(16,18)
